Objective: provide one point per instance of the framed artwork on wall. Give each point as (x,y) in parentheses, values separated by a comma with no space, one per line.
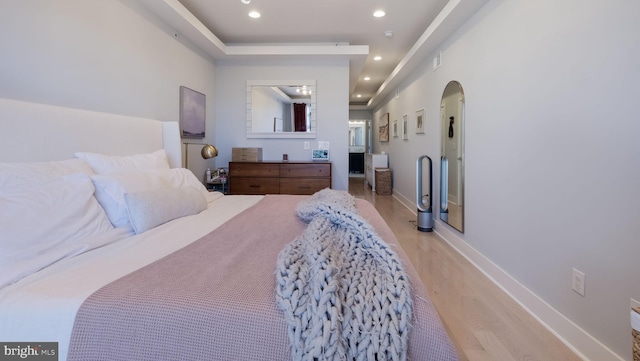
(420,121)
(405,127)
(384,128)
(192,113)
(395,128)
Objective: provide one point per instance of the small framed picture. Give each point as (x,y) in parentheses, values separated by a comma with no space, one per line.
(320,154)
(383,130)
(420,121)
(395,128)
(405,127)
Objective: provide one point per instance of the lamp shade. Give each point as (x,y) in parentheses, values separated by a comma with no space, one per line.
(209,151)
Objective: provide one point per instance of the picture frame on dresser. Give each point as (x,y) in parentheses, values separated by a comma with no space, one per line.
(320,154)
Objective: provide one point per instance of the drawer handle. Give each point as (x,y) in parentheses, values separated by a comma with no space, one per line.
(304,187)
(254,186)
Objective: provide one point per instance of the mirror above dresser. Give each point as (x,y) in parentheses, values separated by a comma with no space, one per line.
(281,109)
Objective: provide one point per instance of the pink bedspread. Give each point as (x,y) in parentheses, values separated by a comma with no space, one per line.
(215,299)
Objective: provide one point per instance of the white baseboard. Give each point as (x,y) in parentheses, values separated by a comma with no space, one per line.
(578,340)
(406,202)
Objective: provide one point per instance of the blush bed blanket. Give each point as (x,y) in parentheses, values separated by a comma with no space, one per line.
(215,299)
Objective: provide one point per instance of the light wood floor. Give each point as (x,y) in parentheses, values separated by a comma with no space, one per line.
(484,323)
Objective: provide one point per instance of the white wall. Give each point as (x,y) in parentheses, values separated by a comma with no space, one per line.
(552,156)
(110,56)
(332,104)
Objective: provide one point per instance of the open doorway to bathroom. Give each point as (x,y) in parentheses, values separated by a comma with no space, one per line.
(358,143)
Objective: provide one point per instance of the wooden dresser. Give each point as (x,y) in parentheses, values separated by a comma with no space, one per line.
(278,177)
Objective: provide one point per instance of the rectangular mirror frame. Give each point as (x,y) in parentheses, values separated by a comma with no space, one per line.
(311,84)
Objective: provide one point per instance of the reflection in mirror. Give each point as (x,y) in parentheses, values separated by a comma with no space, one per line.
(281,109)
(452,156)
(356,133)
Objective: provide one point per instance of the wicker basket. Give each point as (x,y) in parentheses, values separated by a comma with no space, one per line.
(636,339)
(383,181)
(636,345)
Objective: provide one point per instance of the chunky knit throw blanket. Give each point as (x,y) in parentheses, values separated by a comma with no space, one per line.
(342,289)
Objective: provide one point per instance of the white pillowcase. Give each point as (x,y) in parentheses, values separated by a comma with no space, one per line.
(110,164)
(110,189)
(148,209)
(38,172)
(42,224)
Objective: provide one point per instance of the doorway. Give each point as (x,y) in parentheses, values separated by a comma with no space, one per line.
(357,147)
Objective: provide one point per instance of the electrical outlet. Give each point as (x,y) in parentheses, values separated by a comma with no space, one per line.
(578,282)
(306,145)
(323,145)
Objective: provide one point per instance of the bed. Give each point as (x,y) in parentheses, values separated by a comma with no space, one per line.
(111,250)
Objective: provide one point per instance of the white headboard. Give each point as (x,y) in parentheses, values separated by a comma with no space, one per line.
(31,132)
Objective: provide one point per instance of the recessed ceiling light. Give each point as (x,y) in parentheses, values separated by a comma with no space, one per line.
(254,14)
(366,78)
(377,58)
(359,96)
(379,13)
(246,2)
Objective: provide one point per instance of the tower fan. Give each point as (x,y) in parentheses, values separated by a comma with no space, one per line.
(423,201)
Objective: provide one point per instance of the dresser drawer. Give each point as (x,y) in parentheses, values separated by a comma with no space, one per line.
(278,177)
(250,185)
(250,169)
(303,185)
(307,170)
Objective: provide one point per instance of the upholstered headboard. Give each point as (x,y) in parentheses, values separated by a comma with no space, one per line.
(31,132)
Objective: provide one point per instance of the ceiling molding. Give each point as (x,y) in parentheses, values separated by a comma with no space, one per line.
(250,50)
(452,16)
(186,25)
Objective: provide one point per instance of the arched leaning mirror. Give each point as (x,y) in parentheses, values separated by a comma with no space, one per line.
(452,156)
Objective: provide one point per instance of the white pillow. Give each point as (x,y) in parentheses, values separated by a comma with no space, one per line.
(110,189)
(109,164)
(148,209)
(38,172)
(42,224)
